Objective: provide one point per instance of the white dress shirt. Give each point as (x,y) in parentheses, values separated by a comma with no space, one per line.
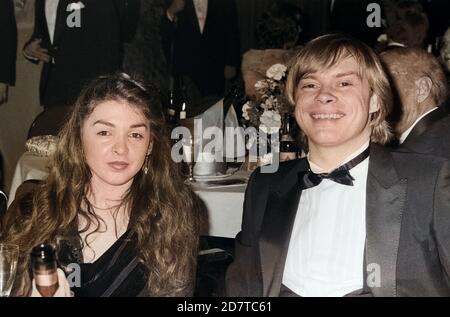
(51,9)
(407,132)
(326,250)
(201,9)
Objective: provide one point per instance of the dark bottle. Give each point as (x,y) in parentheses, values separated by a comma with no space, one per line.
(172,120)
(43,261)
(288,148)
(171,110)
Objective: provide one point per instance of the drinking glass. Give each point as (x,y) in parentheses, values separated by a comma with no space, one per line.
(9,255)
(189,158)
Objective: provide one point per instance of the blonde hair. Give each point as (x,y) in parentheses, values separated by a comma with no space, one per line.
(328,50)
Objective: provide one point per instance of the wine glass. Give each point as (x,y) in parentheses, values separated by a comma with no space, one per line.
(9,255)
(189,158)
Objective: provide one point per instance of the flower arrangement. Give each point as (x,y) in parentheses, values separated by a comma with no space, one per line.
(265,111)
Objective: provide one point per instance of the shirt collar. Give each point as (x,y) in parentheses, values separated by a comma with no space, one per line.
(317,169)
(407,132)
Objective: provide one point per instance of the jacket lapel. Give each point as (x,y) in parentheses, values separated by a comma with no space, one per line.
(192,15)
(428,121)
(41,20)
(60,24)
(276,230)
(386,195)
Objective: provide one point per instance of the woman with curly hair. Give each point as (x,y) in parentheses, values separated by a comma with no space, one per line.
(114,202)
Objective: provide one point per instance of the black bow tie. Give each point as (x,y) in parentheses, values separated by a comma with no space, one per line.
(341,175)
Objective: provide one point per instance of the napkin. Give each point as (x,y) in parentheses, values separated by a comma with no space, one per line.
(43,145)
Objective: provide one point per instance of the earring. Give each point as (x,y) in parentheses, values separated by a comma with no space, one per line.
(146,165)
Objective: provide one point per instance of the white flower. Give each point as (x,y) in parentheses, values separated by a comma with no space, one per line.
(245,109)
(270,121)
(270,103)
(262,87)
(276,71)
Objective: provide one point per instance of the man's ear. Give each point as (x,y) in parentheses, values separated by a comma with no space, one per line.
(374,104)
(423,88)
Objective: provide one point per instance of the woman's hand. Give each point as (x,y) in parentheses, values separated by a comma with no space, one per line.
(63,288)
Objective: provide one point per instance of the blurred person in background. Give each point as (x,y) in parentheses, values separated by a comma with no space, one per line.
(422,91)
(202,47)
(78,41)
(8,40)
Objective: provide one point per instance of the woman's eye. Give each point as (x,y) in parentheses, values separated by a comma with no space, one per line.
(137,135)
(103,133)
(345,84)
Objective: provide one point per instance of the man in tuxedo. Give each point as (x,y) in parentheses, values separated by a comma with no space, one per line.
(77,41)
(420,83)
(202,46)
(8,51)
(351,218)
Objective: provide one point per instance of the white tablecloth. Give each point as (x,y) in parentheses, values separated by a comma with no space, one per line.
(224,203)
(28,167)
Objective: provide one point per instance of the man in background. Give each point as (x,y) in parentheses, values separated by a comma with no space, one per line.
(8,40)
(350,17)
(78,41)
(422,91)
(202,46)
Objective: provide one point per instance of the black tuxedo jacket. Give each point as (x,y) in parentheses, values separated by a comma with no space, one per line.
(350,17)
(201,57)
(82,53)
(407,225)
(431,135)
(8,40)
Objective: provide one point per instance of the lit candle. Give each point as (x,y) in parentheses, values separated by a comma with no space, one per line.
(183,111)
